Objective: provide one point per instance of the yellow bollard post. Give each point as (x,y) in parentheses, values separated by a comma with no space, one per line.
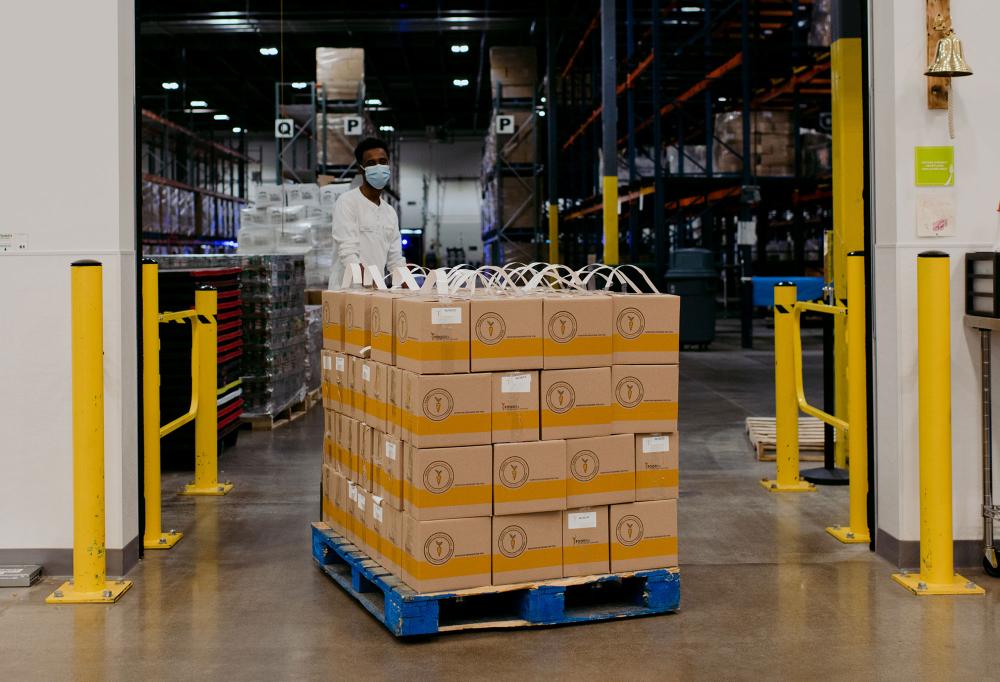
(153,536)
(857,405)
(610,185)
(206,423)
(89,584)
(786,406)
(937,569)
(553,233)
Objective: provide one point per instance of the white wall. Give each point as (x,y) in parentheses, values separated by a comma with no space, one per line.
(901,122)
(455,204)
(83,60)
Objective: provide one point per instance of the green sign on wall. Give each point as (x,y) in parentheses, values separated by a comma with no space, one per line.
(934,166)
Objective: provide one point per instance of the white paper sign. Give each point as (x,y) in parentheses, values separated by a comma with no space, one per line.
(366,373)
(505,124)
(340,363)
(361,500)
(390,450)
(377,511)
(936,214)
(284,127)
(517,383)
(352,490)
(655,444)
(577,520)
(326,362)
(353,125)
(446,316)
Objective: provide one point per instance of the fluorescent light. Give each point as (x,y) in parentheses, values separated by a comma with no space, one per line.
(541,112)
(373,102)
(458,49)
(722,99)
(198,103)
(543,100)
(768,31)
(200,110)
(170,85)
(237,129)
(300,85)
(221,117)
(269,51)
(690,8)
(386,129)
(460,82)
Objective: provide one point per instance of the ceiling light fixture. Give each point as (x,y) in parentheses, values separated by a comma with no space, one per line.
(690,8)
(459,49)
(300,85)
(269,51)
(237,129)
(373,102)
(221,117)
(460,82)
(199,103)
(387,129)
(170,85)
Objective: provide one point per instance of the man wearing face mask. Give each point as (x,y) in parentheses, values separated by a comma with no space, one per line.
(366,228)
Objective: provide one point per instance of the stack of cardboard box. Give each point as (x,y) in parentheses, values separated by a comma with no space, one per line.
(504,437)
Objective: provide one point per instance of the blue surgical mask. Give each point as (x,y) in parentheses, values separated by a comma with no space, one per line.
(377,175)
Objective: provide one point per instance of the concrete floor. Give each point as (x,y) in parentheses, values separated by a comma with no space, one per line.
(765,592)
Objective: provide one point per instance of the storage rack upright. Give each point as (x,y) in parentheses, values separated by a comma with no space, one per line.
(696,60)
(192,189)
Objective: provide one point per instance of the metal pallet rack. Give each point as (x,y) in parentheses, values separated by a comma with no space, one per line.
(193,188)
(513,233)
(698,59)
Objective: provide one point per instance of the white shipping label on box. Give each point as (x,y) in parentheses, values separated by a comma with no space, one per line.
(326,362)
(516,383)
(446,316)
(340,364)
(366,373)
(390,450)
(577,520)
(377,511)
(352,490)
(655,444)
(361,500)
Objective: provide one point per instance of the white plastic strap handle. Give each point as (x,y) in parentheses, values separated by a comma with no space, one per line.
(402,277)
(352,276)
(374,278)
(620,275)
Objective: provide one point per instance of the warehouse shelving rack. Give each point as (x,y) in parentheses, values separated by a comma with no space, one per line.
(676,74)
(213,174)
(503,241)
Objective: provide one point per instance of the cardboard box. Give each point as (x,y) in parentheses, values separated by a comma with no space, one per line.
(432,335)
(381,327)
(357,336)
(647,329)
(372,539)
(527,547)
(349,441)
(394,402)
(447,410)
(448,483)
(340,391)
(516,416)
(585,541)
(656,466)
(330,452)
(333,320)
(338,485)
(326,506)
(644,398)
(351,514)
(643,535)
(390,532)
(377,395)
(327,380)
(365,452)
(576,403)
(600,470)
(389,469)
(529,477)
(357,391)
(577,330)
(361,536)
(515,69)
(450,554)
(506,333)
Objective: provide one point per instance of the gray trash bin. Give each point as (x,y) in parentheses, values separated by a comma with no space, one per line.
(692,276)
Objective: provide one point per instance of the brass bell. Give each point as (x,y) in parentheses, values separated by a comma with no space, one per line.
(949,62)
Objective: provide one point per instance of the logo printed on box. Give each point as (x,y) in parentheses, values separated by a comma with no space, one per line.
(561,397)
(490,329)
(512,541)
(562,327)
(438,404)
(349,316)
(585,465)
(630,323)
(629,530)
(376,322)
(401,327)
(514,472)
(629,392)
(439,548)
(438,477)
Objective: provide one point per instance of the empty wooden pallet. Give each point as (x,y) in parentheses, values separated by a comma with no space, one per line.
(763,436)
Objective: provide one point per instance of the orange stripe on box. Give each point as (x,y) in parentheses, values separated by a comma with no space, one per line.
(644,548)
(512,420)
(508,348)
(602,483)
(331,331)
(656,478)
(456,496)
(532,490)
(455,567)
(578,416)
(455,424)
(645,411)
(530,558)
(432,350)
(585,554)
(581,345)
(648,343)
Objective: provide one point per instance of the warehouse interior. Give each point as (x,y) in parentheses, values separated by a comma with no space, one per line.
(789,176)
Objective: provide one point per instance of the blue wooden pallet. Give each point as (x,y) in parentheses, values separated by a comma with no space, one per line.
(552,602)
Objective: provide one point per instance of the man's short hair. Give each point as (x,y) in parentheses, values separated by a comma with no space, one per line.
(369,143)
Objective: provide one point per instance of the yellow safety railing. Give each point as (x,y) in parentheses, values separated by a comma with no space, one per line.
(89,584)
(790,396)
(202,409)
